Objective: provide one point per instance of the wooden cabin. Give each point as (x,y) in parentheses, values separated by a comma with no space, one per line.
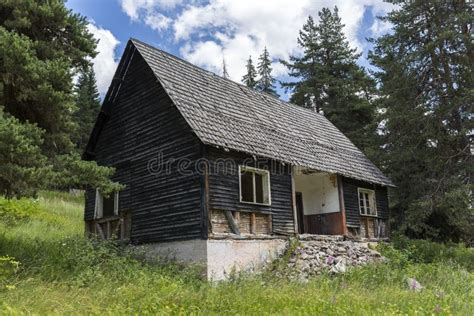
(205,159)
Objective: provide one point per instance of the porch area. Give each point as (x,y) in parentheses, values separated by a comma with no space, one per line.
(319,204)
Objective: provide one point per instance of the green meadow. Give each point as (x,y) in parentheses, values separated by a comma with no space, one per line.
(48,267)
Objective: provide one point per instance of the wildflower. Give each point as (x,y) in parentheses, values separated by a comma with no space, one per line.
(330,260)
(414,285)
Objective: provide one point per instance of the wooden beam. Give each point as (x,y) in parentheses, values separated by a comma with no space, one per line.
(232,223)
(342,207)
(116,232)
(253,223)
(109,230)
(106,219)
(99,229)
(122,228)
(293,200)
(237,217)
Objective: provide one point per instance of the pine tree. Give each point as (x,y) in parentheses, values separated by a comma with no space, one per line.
(88,106)
(23,167)
(329,80)
(225,74)
(426,81)
(306,91)
(249,79)
(43,44)
(266,83)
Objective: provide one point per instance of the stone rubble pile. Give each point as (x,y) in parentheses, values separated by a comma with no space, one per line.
(335,255)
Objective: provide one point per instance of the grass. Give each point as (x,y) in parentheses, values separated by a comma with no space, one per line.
(52,269)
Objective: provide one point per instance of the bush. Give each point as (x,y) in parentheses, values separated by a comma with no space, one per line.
(424,251)
(400,258)
(8,266)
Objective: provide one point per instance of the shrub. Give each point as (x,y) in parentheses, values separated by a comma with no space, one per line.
(8,266)
(424,251)
(399,258)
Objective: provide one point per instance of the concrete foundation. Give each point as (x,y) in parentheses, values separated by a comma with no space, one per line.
(227,256)
(186,251)
(218,257)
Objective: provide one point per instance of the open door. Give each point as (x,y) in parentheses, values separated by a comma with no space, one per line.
(300,212)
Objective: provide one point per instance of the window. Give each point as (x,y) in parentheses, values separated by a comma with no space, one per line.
(367,204)
(106,206)
(254,185)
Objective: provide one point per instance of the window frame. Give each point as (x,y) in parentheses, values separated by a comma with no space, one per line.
(371,197)
(99,204)
(265,175)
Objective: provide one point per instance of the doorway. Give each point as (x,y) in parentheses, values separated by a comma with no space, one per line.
(300,212)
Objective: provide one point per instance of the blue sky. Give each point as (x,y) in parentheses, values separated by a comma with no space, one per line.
(206,32)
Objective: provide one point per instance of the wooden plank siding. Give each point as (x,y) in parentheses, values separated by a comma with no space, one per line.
(351,200)
(224,188)
(143,122)
(140,127)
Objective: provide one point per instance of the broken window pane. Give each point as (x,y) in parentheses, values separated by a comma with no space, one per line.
(254,185)
(246,186)
(108,205)
(367,202)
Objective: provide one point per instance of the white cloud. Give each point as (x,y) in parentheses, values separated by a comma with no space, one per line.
(202,51)
(105,62)
(157,21)
(237,29)
(379,27)
(148,10)
(250,25)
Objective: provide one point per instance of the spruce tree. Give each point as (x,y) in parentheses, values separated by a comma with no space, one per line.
(426,82)
(42,46)
(328,79)
(225,74)
(88,106)
(266,83)
(306,90)
(249,79)
(23,167)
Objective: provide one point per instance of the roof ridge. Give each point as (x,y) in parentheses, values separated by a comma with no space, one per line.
(291,134)
(265,94)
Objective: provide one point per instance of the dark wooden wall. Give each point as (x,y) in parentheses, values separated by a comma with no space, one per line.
(351,200)
(324,224)
(142,123)
(224,187)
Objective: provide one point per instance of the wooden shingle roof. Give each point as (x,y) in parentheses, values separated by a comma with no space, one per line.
(230,115)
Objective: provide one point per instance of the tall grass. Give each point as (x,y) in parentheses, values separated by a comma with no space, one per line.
(425,251)
(61,272)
